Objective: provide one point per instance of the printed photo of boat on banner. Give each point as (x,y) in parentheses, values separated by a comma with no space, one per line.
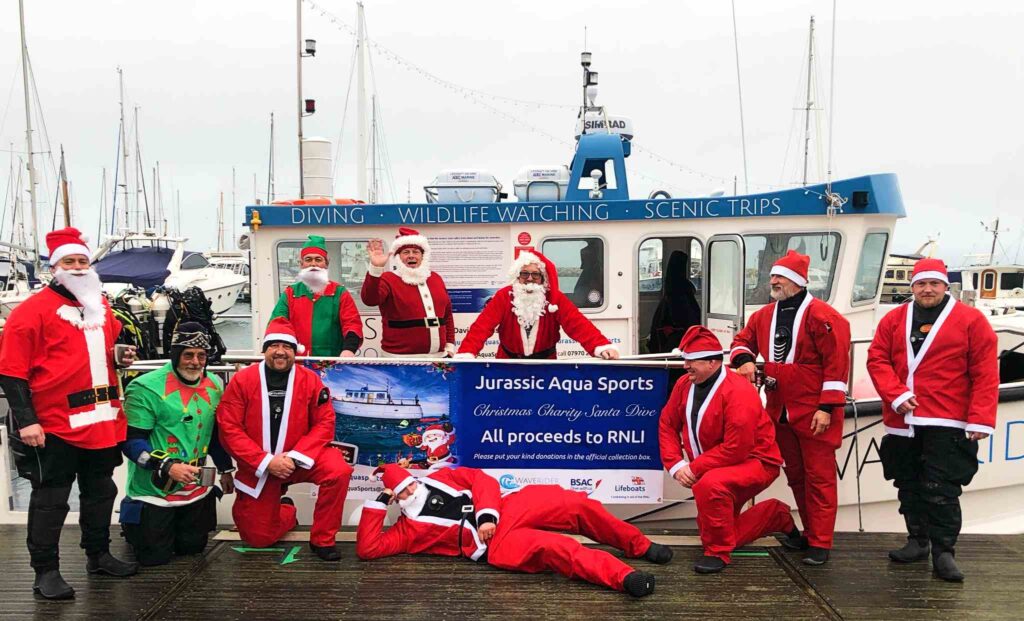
(595,433)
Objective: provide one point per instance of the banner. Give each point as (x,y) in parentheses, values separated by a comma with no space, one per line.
(586,427)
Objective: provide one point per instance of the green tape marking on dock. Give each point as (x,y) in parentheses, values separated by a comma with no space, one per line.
(244,550)
(290,557)
(750,554)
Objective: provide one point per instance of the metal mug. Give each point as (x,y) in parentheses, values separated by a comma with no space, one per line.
(207,476)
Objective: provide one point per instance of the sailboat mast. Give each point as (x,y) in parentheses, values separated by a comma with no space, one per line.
(361,145)
(995,237)
(28,135)
(64,189)
(270,166)
(810,103)
(298,73)
(124,149)
(232,204)
(220,224)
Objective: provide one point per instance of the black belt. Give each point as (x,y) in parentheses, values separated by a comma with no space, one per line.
(100,394)
(426,322)
(535,355)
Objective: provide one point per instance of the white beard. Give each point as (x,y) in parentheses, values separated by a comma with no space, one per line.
(413,275)
(85,285)
(315,278)
(434,440)
(413,504)
(189,375)
(529,302)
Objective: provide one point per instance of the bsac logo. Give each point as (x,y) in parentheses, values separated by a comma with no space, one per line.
(584,485)
(508,481)
(637,480)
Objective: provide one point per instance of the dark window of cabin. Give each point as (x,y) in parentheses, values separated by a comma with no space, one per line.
(1011,280)
(580,263)
(764,250)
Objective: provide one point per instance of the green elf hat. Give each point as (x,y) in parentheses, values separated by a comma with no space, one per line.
(315,245)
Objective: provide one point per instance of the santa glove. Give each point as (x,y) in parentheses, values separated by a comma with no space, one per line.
(486,518)
(384,498)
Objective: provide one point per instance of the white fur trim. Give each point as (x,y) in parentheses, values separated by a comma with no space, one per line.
(899,431)
(375,271)
(493,512)
(70,249)
(374,504)
(406,482)
(927,275)
(281,336)
(674,469)
(900,400)
(552,308)
(411,240)
(464,356)
(449,348)
(833,386)
(697,355)
(262,468)
(603,348)
(779,270)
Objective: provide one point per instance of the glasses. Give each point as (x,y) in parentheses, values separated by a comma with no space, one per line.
(200,357)
(538,276)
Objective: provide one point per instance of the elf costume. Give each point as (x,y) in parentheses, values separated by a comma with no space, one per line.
(326,322)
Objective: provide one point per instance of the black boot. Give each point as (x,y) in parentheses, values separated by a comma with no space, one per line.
(815,556)
(639,583)
(917,547)
(945,567)
(50,584)
(794,540)
(326,553)
(106,563)
(658,553)
(285,500)
(709,565)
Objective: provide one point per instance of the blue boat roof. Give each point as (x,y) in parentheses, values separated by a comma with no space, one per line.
(144,267)
(878,195)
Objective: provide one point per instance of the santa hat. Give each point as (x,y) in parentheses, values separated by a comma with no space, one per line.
(929,268)
(315,245)
(410,237)
(395,477)
(280,330)
(66,242)
(793,266)
(435,427)
(526,257)
(699,343)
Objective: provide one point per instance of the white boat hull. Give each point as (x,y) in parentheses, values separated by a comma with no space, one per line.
(378,410)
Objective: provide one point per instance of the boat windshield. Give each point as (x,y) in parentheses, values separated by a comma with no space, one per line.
(763,250)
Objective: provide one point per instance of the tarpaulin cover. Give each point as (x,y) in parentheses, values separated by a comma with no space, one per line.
(142,267)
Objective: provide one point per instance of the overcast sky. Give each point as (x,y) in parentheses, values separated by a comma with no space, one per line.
(929,90)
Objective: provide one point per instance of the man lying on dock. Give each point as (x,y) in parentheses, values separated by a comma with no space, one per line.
(460,512)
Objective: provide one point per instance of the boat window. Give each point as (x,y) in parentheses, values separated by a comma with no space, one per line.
(194,261)
(974,280)
(580,263)
(889,273)
(990,281)
(872,256)
(901,275)
(669,290)
(723,264)
(347,262)
(1011,280)
(764,250)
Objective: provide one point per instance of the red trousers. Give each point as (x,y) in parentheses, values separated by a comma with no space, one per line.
(811,472)
(722,492)
(263,521)
(525,541)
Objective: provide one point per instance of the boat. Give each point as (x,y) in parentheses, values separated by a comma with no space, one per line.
(898,267)
(150,261)
(369,402)
(237,262)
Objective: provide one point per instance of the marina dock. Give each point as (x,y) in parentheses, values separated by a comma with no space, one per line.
(231,581)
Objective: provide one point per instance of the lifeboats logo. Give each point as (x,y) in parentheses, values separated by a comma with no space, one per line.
(586,485)
(636,484)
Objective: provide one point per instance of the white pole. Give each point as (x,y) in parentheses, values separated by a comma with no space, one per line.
(807,110)
(220,224)
(124,147)
(361,190)
(28,135)
(298,73)
(232,205)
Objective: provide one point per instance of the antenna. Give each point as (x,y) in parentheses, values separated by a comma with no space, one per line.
(994,229)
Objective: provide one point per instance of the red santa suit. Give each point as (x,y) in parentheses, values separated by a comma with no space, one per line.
(734,457)
(954,376)
(525,539)
(307,427)
(540,342)
(416,314)
(812,376)
(67,359)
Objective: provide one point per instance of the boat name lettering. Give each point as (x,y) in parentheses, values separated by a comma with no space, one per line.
(347,214)
(713,208)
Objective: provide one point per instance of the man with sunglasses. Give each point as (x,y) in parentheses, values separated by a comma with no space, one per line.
(168,510)
(529,315)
